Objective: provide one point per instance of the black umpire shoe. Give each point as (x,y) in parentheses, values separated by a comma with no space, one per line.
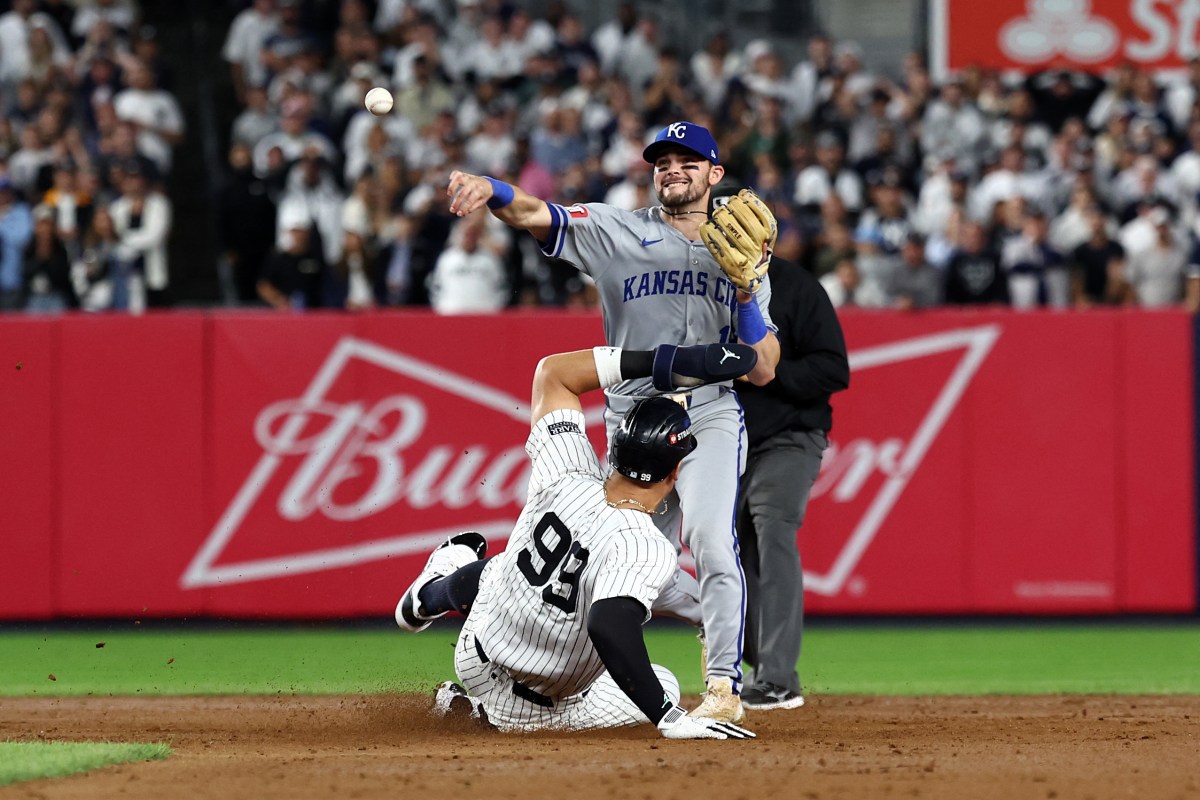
(765,696)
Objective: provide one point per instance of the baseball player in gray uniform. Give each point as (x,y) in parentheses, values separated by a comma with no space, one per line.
(553,631)
(658,283)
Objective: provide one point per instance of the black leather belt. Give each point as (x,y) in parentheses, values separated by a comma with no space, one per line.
(519,689)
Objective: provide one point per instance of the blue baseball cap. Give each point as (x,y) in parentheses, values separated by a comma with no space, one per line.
(687,135)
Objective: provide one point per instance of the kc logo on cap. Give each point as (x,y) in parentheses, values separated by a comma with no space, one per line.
(687,135)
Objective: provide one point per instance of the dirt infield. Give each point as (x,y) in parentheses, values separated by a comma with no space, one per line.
(836,747)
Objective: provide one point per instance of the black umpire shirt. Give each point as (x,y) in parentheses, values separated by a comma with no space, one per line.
(812,359)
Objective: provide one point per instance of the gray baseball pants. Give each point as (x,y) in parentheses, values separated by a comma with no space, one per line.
(780,473)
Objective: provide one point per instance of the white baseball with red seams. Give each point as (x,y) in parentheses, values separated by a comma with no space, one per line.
(379,101)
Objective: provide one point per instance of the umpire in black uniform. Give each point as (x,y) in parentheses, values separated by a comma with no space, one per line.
(787,422)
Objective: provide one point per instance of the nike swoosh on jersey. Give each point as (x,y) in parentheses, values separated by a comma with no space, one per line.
(648,242)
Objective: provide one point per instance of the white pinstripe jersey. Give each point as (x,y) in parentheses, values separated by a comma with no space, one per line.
(568,550)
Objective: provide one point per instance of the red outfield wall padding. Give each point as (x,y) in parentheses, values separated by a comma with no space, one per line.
(254,465)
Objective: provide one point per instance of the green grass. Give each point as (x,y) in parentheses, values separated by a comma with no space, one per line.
(26,761)
(876,659)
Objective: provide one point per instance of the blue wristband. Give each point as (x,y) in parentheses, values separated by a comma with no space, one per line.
(751,329)
(502,193)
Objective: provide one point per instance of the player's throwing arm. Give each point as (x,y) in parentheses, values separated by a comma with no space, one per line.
(510,204)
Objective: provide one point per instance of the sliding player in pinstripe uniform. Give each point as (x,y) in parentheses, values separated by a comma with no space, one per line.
(553,631)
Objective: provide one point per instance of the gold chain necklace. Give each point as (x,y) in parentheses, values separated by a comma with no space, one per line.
(631,501)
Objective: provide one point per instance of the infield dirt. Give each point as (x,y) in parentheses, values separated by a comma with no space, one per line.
(369,746)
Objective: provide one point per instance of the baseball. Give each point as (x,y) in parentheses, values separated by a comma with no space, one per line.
(379,101)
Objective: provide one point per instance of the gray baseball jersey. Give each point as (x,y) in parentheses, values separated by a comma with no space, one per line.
(657,286)
(568,550)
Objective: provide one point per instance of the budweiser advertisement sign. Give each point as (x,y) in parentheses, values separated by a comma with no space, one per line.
(305,466)
(1090,35)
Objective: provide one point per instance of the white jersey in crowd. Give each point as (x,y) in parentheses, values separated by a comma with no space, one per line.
(468,283)
(569,549)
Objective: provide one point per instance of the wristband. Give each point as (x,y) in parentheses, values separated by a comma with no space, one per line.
(608,365)
(502,193)
(751,328)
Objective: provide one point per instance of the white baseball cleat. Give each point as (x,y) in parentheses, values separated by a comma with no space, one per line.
(457,551)
(451,701)
(720,703)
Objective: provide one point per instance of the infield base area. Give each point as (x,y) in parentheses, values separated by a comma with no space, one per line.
(1052,746)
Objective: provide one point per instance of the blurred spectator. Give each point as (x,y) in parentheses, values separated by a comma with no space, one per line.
(573,49)
(491,150)
(17,48)
(1074,225)
(1162,273)
(881,233)
(295,276)
(811,77)
(256,121)
(27,162)
(245,223)
(834,245)
(141,217)
(666,94)
(120,14)
(355,274)
(767,136)
(244,44)
(312,194)
(1182,96)
(154,111)
(293,138)
(1097,264)
(47,267)
(953,128)
(917,284)
(842,283)
(829,175)
(610,39)
(973,275)
(634,192)
(1037,274)
(16,229)
(71,203)
(557,143)
(469,276)
(425,97)
(713,68)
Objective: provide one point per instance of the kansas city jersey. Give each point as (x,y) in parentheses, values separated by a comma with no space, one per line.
(656,286)
(568,550)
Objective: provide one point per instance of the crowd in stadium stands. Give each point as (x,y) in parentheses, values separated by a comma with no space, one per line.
(1058,189)
(86,142)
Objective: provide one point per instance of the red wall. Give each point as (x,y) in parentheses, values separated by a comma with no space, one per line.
(253,465)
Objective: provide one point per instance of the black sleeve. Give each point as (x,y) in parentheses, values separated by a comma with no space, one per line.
(615,627)
(817,366)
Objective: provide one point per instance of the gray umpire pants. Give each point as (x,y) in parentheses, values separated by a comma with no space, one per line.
(779,476)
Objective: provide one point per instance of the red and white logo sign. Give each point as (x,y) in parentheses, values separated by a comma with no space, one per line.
(866,469)
(331,459)
(1091,35)
(443,449)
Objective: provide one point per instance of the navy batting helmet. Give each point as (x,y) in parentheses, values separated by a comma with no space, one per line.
(652,438)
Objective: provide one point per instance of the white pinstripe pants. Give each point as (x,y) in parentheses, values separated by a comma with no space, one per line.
(602,705)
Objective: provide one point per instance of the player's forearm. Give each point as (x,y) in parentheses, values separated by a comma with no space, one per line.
(510,204)
(560,379)
(768,359)
(615,628)
(752,330)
